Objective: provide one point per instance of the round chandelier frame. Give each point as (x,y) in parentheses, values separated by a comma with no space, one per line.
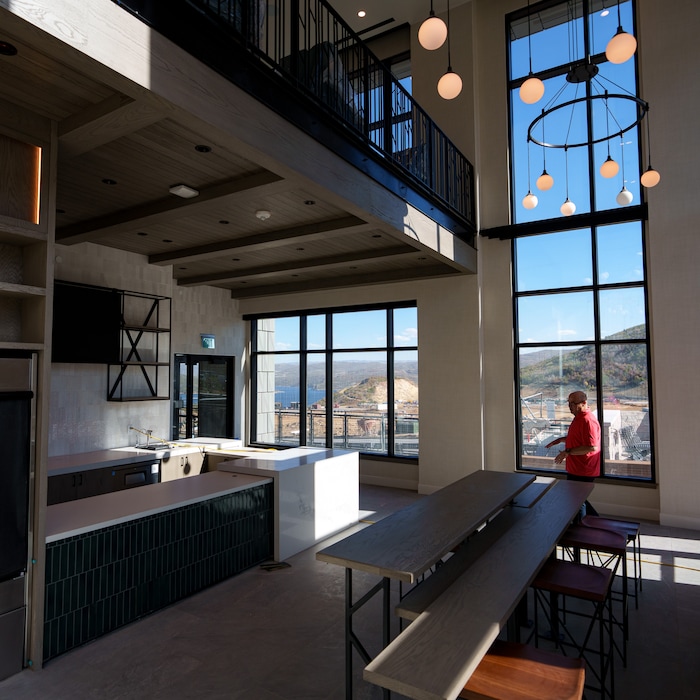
(642,109)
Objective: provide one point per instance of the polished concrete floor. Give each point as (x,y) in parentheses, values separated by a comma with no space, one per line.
(273,635)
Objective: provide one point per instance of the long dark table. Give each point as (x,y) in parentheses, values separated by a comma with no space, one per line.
(406,544)
(433,658)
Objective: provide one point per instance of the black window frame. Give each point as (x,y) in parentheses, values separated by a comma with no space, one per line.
(330,352)
(593,220)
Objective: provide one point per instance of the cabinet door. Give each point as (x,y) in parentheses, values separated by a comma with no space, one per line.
(61,488)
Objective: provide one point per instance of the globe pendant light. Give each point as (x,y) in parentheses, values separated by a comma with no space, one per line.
(609,168)
(623,45)
(529,200)
(568,207)
(450,85)
(545,181)
(624,196)
(650,177)
(432,32)
(532,89)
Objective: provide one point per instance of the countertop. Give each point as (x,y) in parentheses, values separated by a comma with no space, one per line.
(282,460)
(119,456)
(88,514)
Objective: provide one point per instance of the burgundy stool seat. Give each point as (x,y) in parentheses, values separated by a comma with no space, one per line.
(511,671)
(630,530)
(587,583)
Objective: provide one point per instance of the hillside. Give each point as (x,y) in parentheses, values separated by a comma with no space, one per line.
(625,367)
(373,390)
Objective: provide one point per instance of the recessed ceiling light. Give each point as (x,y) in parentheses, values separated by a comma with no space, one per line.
(224,221)
(107,181)
(361,13)
(167,240)
(184,191)
(141,233)
(309,202)
(263,214)
(201,148)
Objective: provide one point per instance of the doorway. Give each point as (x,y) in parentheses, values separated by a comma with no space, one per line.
(202,396)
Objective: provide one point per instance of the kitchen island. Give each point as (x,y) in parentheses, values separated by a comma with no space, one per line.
(114,558)
(316,492)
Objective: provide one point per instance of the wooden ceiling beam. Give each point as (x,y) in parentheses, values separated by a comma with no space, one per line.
(340,281)
(309,265)
(104,122)
(265,241)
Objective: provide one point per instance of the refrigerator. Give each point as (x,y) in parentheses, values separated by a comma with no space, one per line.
(17,435)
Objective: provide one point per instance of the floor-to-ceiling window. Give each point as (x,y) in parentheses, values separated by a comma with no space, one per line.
(344,378)
(579,276)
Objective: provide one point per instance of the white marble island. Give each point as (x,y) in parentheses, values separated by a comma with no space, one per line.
(316,492)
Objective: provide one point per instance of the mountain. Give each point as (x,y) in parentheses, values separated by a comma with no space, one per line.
(624,366)
(345,373)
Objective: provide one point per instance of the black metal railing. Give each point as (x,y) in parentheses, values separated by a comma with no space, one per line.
(313,48)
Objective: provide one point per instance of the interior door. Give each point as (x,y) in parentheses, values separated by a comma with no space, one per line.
(203,396)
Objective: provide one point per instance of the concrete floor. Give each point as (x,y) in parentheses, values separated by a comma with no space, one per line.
(273,635)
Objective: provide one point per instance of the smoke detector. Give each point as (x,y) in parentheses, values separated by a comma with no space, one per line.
(263,214)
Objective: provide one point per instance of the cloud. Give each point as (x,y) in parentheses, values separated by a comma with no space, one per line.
(407,335)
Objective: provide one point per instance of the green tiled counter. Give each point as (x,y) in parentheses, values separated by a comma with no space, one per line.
(114,558)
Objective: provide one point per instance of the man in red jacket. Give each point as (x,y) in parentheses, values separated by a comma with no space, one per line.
(582,448)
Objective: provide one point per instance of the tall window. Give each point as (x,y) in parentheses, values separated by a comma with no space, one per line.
(346,378)
(579,281)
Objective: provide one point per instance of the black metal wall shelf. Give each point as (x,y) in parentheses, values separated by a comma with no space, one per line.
(143,372)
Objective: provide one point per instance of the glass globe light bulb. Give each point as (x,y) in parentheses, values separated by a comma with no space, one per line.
(545,181)
(568,208)
(530,200)
(624,197)
(450,85)
(621,47)
(432,33)
(650,177)
(531,91)
(610,168)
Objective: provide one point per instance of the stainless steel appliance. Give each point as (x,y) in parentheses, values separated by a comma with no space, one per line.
(16,433)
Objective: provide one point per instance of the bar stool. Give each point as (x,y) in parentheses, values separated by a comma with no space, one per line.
(630,530)
(614,546)
(511,671)
(588,584)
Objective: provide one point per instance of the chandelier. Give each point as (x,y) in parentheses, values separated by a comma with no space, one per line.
(612,109)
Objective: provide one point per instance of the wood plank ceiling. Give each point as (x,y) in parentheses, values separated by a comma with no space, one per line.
(119,155)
